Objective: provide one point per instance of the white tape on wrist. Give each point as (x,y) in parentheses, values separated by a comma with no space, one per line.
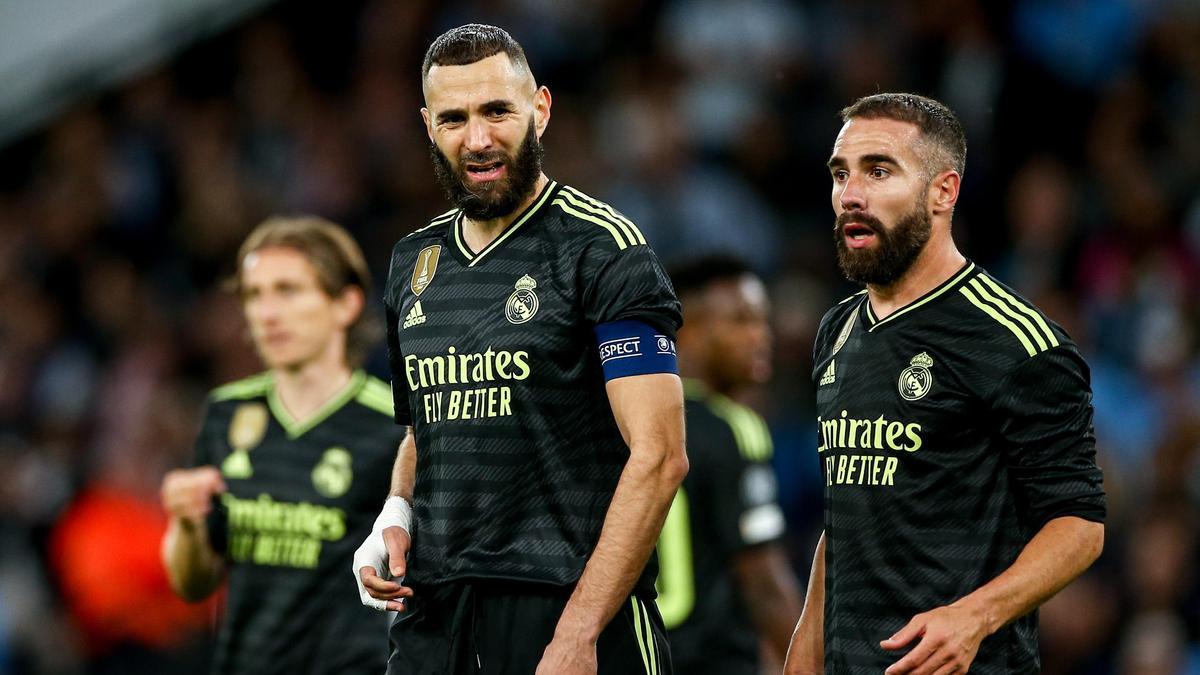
(397,512)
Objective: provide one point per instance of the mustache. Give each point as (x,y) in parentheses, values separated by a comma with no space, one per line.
(867,219)
(481,158)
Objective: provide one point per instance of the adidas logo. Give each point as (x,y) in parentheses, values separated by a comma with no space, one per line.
(416,316)
(829,375)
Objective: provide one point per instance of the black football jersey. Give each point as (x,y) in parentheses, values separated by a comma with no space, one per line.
(495,365)
(727,504)
(301,498)
(949,432)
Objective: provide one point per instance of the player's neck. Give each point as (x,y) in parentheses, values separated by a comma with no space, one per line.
(304,389)
(939,260)
(480,233)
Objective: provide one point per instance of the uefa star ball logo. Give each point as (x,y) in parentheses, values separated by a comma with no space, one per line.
(523,303)
(916,380)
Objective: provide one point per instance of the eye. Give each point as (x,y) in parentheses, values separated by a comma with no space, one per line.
(839,175)
(879,172)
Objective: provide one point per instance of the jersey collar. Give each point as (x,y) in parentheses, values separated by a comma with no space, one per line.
(296,428)
(459,248)
(938,291)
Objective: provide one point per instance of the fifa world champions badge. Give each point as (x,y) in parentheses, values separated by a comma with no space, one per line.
(246,430)
(916,380)
(523,303)
(426,267)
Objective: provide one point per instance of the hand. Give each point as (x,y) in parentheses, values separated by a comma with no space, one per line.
(187,493)
(569,656)
(383,557)
(950,638)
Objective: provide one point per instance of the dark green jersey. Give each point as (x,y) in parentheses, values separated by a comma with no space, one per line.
(727,503)
(495,365)
(302,497)
(949,433)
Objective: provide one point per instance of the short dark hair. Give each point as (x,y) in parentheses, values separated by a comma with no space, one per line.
(938,124)
(470,43)
(692,275)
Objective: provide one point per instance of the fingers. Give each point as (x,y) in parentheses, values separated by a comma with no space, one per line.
(380,588)
(950,669)
(920,654)
(381,594)
(396,540)
(187,493)
(905,635)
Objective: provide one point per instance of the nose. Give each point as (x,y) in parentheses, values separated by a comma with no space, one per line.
(479,135)
(852,196)
(262,310)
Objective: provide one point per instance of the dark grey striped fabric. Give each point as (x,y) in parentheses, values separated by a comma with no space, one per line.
(948,433)
(302,497)
(495,365)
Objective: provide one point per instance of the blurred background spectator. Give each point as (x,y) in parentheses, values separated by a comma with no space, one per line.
(709,123)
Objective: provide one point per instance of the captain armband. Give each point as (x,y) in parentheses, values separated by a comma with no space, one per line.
(634,348)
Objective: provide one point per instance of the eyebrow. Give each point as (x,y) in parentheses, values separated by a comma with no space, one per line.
(839,162)
(490,105)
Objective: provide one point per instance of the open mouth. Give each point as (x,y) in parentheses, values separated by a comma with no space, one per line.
(485,171)
(857,235)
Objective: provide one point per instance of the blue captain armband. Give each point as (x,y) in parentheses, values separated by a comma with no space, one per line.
(634,348)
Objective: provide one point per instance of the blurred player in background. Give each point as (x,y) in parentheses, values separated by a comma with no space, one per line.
(955,424)
(726,588)
(289,466)
(531,337)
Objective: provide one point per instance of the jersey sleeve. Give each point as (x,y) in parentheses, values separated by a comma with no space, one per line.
(204,451)
(1044,410)
(742,487)
(628,284)
(392,296)
(403,414)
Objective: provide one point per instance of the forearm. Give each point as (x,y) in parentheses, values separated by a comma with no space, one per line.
(404,471)
(631,527)
(806,654)
(772,597)
(193,568)
(1058,553)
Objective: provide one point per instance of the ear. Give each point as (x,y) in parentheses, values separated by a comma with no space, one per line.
(541,110)
(428,119)
(348,306)
(943,192)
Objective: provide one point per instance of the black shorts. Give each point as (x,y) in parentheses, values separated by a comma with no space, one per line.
(502,628)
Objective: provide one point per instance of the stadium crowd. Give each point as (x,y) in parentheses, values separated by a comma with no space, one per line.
(708,123)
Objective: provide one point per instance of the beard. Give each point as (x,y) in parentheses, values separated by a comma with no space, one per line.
(897,249)
(497,198)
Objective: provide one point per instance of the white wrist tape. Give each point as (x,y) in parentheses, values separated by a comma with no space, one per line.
(397,512)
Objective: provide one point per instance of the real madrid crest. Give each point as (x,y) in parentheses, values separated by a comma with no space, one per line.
(246,430)
(332,476)
(523,303)
(427,262)
(916,380)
